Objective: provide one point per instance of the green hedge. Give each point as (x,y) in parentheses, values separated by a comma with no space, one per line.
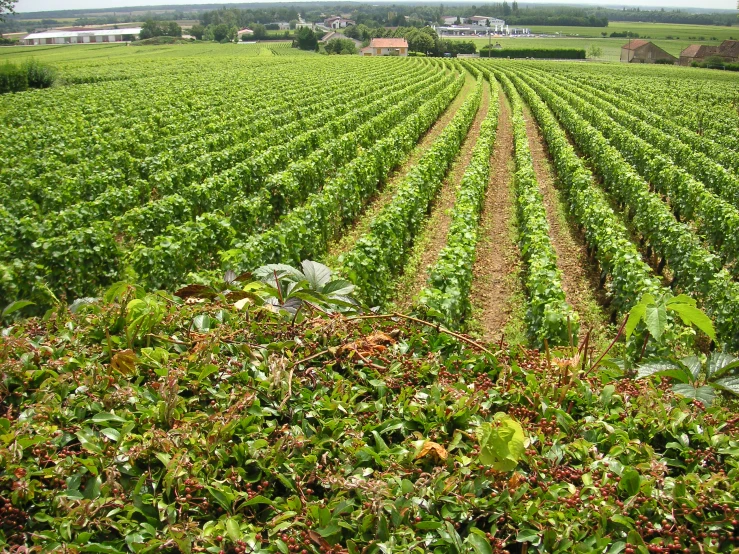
(13,78)
(558,53)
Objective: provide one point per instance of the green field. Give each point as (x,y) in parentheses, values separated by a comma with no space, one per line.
(262,301)
(648,30)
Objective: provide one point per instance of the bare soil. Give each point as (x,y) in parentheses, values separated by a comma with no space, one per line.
(378,201)
(497,253)
(433,235)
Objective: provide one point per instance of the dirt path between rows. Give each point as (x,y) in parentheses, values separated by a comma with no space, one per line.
(432,237)
(579,277)
(497,259)
(376,203)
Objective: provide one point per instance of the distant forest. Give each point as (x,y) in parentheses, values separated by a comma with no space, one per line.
(396,15)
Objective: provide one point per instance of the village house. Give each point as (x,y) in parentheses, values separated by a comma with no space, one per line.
(487,21)
(386,47)
(644,51)
(337,22)
(452,20)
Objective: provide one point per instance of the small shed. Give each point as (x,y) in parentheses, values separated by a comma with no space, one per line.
(386,47)
(644,51)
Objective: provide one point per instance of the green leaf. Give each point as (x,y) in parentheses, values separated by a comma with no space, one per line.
(479,544)
(630,482)
(15,306)
(730,384)
(721,362)
(656,367)
(635,316)
(656,320)
(232,529)
(88,440)
(693,365)
(201,323)
(105,417)
(501,442)
(705,394)
(92,487)
(316,274)
(527,535)
(259,499)
(693,316)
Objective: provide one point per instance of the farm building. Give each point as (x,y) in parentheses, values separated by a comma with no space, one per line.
(487,21)
(696,53)
(82,37)
(452,20)
(386,47)
(728,50)
(644,51)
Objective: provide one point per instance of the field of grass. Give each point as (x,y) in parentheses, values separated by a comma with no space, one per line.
(648,30)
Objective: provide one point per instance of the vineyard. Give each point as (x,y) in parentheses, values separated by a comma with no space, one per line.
(576,210)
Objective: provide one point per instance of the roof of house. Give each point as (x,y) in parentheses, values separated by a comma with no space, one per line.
(698,51)
(729,48)
(89,33)
(389,43)
(634,44)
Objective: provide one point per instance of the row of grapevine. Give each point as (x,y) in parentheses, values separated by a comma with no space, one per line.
(307,230)
(447,292)
(548,315)
(160,263)
(380,254)
(714,217)
(200,187)
(624,273)
(702,103)
(714,176)
(64,185)
(19,236)
(713,151)
(694,269)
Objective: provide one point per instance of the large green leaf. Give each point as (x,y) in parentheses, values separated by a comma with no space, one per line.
(693,365)
(693,316)
(720,363)
(730,384)
(317,275)
(630,481)
(635,316)
(705,393)
(15,306)
(501,442)
(655,318)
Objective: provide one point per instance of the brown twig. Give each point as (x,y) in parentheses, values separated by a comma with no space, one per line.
(311,357)
(613,343)
(447,331)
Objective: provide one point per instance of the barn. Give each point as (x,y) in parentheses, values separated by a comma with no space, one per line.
(644,51)
(87,36)
(696,53)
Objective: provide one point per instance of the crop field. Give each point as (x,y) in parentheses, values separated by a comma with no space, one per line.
(550,253)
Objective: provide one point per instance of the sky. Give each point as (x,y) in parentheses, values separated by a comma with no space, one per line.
(42,5)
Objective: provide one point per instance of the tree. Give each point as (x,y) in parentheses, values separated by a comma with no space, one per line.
(197,31)
(173,29)
(306,39)
(220,32)
(260,31)
(595,51)
(6,6)
(293,23)
(421,42)
(149,29)
(341,46)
